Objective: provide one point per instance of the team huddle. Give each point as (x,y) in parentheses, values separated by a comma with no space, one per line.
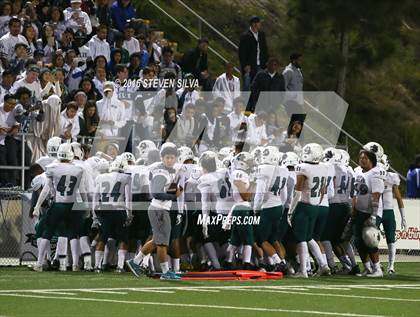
(274,211)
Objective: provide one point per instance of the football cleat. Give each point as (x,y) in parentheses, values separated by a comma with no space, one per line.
(75,268)
(355,270)
(119,270)
(391,271)
(280,267)
(300,275)
(364,273)
(377,273)
(170,276)
(37,268)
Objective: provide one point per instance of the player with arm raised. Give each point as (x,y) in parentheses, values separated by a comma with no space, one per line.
(309,191)
(66,179)
(391,190)
(368,208)
(270,197)
(112,207)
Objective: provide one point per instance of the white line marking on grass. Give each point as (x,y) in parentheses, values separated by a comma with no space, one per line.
(103,292)
(328,288)
(148,290)
(53,293)
(223,307)
(291,292)
(193,289)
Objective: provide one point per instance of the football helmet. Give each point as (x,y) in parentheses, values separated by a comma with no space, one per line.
(371,236)
(224,152)
(77,150)
(256,154)
(312,153)
(270,155)
(144,147)
(290,159)
(345,157)
(129,157)
(118,165)
(208,161)
(242,161)
(52,146)
(65,152)
(184,154)
(375,148)
(329,154)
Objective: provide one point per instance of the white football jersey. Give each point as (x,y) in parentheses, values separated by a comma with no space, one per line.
(88,184)
(329,183)
(239,175)
(66,179)
(139,179)
(158,169)
(273,179)
(366,184)
(191,183)
(43,161)
(343,179)
(391,179)
(111,190)
(315,183)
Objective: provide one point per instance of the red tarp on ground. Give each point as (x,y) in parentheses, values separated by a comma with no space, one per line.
(228,275)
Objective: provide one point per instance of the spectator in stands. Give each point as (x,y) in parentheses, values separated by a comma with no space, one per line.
(74,73)
(145,56)
(237,120)
(69,122)
(131,44)
(144,121)
(195,61)
(167,65)
(267,80)
(5,16)
(253,52)
(8,145)
(289,139)
(66,42)
(47,43)
(186,125)
(30,34)
(413,179)
(228,87)
(187,94)
(170,120)
(118,44)
(88,87)
(58,60)
(103,12)
(17,64)
(100,79)
(111,112)
(80,99)
(155,49)
(59,77)
(116,59)
(48,86)
(135,65)
(256,130)
(212,135)
(76,19)
(293,79)
(98,44)
(121,11)
(31,82)
(112,149)
(57,21)
(7,80)
(9,41)
(89,119)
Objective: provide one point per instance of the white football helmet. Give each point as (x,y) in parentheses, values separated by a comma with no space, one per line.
(256,154)
(144,147)
(270,155)
(168,148)
(226,161)
(77,150)
(52,146)
(345,157)
(371,236)
(242,161)
(385,162)
(119,164)
(312,153)
(185,153)
(65,152)
(329,154)
(290,159)
(224,152)
(103,166)
(129,157)
(376,148)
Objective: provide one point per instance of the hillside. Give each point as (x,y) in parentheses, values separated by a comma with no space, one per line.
(382,74)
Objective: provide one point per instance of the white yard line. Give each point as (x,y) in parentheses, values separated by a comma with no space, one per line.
(291,292)
(193,289)
(53,293)
(103,292)
(149,290)
(222,307)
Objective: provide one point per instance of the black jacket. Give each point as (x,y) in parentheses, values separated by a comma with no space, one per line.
(264,82)
(189,62)
(248,50)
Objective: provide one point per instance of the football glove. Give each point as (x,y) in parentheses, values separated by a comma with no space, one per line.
(128,221)
(205,231)
(96,223)
(370,222)
(178,219)
(403,224)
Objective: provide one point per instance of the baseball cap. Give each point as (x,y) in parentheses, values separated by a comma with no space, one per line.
(254,19)
(34,68)
(108,86)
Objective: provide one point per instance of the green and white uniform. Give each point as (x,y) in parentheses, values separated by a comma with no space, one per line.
(388,217)
(324,207)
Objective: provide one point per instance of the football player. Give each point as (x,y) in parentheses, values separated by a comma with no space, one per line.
(52,148)
(270,197)
(309,191)
(164,192)
(112,207)
(391,190)
(67,180)
(368,208)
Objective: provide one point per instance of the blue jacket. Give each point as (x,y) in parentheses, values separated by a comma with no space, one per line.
(120,15)
(413,183)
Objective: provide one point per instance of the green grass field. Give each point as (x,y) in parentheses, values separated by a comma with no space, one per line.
(26,293)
